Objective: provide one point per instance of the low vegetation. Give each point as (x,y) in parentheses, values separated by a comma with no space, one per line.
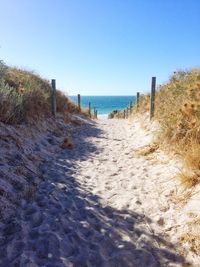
(119,114)
(177,108)
(146,150)
(26,97)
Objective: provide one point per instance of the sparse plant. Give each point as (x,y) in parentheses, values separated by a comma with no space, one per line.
(3,69)
(11,110)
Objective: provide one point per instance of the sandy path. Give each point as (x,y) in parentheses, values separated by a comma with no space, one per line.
(98,205)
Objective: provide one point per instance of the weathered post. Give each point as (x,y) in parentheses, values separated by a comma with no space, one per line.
(53,97)
(127,112)
(89,109)
(124,114)
(131,106)
(79,102)
(138,100)
(94,112)
(152,98)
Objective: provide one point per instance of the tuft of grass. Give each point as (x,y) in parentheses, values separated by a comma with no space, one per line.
(146,150)
(144,105)
(36,105)
(189,180)
(192,156)
(67,143)
(193,240)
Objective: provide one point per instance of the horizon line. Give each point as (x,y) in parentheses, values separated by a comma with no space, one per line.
(102,95)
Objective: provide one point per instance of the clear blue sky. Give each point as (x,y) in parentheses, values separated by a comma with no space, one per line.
(101,47)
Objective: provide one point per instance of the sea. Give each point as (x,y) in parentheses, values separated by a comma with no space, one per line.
(105,104)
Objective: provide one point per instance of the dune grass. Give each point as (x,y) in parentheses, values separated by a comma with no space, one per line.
(26,97)
(177,108)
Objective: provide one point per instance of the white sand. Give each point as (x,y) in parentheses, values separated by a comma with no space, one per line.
(100,204)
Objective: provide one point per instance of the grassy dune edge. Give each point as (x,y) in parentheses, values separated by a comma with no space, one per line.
(178,113)
(26,97)
(29,134)
(177,109)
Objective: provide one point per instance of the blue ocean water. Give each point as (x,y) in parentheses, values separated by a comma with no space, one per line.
(105,104)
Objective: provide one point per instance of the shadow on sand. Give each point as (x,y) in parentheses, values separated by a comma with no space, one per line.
(102,236)
(77,231)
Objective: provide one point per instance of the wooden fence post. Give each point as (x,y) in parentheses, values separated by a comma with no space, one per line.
(89,107)
(152,98)
(53,97)
(79,102)
(127,112)
(94,112)
(138,100)
(124,114)
(131,106)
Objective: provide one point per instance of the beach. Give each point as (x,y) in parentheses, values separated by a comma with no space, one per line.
(100,203)
(100,134)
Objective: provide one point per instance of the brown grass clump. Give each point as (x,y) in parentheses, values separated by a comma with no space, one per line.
(146,150)
(182,198)
(67,143)
(64,104)
(189,180)
(144,103)
(36,106)
(192,156)
(193,240)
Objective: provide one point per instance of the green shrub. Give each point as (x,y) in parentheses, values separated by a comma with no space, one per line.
(11,104)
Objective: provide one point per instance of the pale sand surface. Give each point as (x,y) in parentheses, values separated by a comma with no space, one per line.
(100,204)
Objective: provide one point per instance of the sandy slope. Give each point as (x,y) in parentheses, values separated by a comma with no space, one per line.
(99,204)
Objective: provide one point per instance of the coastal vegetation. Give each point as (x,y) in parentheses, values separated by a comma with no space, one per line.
(26,97)
(48,164)
(177,109)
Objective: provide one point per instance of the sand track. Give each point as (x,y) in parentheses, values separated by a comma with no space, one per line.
(99,204)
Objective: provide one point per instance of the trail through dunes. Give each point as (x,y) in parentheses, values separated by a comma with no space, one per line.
(99,204)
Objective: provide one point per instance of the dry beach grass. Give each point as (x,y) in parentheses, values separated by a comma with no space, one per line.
(178,113)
